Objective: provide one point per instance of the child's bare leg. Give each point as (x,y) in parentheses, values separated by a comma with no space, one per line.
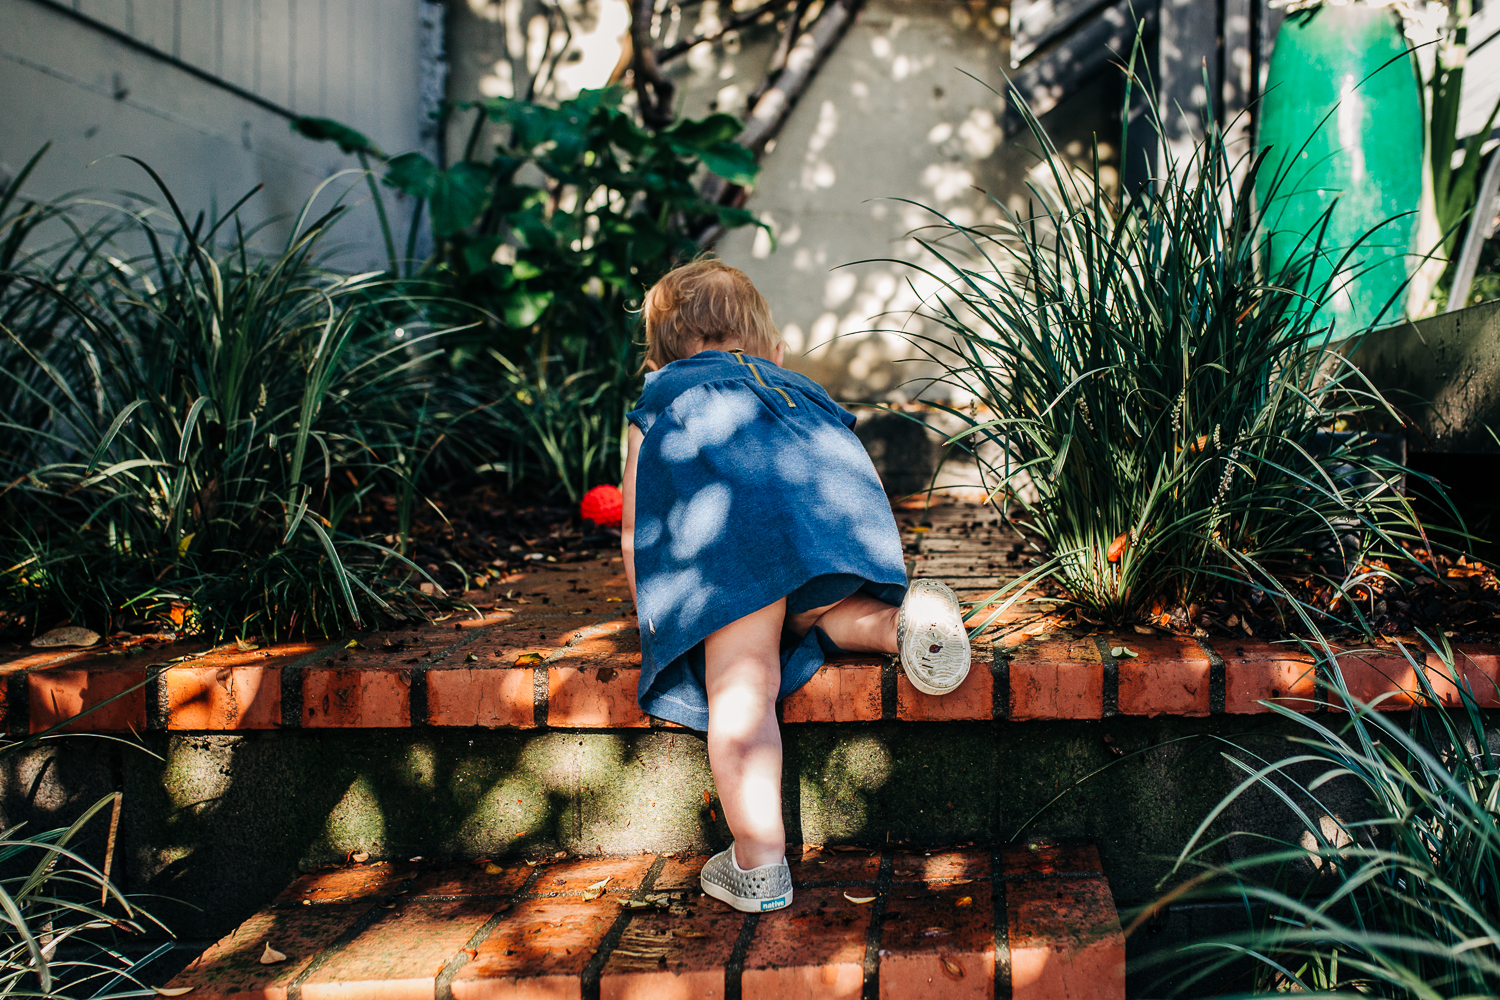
(743,661)
(859,623)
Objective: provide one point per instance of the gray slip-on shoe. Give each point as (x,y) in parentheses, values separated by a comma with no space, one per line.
(758,890)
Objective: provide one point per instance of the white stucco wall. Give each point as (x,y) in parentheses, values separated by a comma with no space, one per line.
(892,115)
(67,82)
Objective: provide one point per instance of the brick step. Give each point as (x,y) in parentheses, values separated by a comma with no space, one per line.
(1034,921)
(557,646)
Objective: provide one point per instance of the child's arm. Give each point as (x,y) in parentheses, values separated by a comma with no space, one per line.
(627,515)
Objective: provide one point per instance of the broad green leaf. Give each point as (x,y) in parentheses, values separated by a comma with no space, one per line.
(732,162)
(524,308)
(328,130)
(413,173)
(703,133)
(479,254)
(461,194)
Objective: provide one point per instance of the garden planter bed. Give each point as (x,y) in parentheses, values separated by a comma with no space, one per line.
(563,652)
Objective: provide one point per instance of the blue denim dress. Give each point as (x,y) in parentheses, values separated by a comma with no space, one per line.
(750,487)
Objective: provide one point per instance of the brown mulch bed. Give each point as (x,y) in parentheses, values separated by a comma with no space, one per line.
(462,537)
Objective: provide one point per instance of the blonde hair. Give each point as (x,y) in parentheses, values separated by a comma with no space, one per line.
(706,305)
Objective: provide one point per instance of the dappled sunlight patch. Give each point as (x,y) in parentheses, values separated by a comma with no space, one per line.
(357,822)
(504,815)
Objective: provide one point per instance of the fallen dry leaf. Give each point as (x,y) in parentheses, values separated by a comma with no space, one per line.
(952,969)
(360,858)
(68,636)
(859,900)
(596,890)
(1117,547)
(493,869)
(528,659)
(641,904)
(271,956)
(965,901)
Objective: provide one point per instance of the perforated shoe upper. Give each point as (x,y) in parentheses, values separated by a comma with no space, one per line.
(766,882)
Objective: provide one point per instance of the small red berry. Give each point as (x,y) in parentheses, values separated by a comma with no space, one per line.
(603,505)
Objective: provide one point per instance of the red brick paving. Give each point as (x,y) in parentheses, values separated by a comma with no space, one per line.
(349,884)
(1260,671)
(1167,676)
(400,957)
(673,956)
(482,696)
(1057,679)
(935,939)
(815,948)
(540,949)
(231,969)
(601,698)
(55,695)
(846,690)
(1065,940)
(974,699)
(354,698)
(928,951)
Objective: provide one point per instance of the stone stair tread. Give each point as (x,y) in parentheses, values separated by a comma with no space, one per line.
(1035,920)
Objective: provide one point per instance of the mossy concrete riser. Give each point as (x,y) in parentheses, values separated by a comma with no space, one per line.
(223,821)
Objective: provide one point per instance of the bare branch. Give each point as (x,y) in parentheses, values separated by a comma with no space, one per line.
(653,90)
(768,114)
(732,23)
(782,53)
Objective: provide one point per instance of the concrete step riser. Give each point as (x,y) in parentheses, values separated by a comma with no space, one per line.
(222,820)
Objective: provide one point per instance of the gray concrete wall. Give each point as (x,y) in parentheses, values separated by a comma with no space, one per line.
(890,116)
(1443,373)
(219,823)
(202,91)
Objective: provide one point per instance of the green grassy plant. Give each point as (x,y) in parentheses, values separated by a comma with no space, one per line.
(1399,902)
(188,422)
(1148,401)
(62,920)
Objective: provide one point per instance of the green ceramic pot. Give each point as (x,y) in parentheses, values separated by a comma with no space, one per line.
(1342,120)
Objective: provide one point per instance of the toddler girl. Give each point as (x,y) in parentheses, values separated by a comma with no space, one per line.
(757,540)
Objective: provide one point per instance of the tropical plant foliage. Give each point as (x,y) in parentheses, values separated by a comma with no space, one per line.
(1398,902)
(188,426)
(555,235)
(1145,399)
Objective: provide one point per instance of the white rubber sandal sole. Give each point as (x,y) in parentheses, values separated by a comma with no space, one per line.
(747,905)
(932,639)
